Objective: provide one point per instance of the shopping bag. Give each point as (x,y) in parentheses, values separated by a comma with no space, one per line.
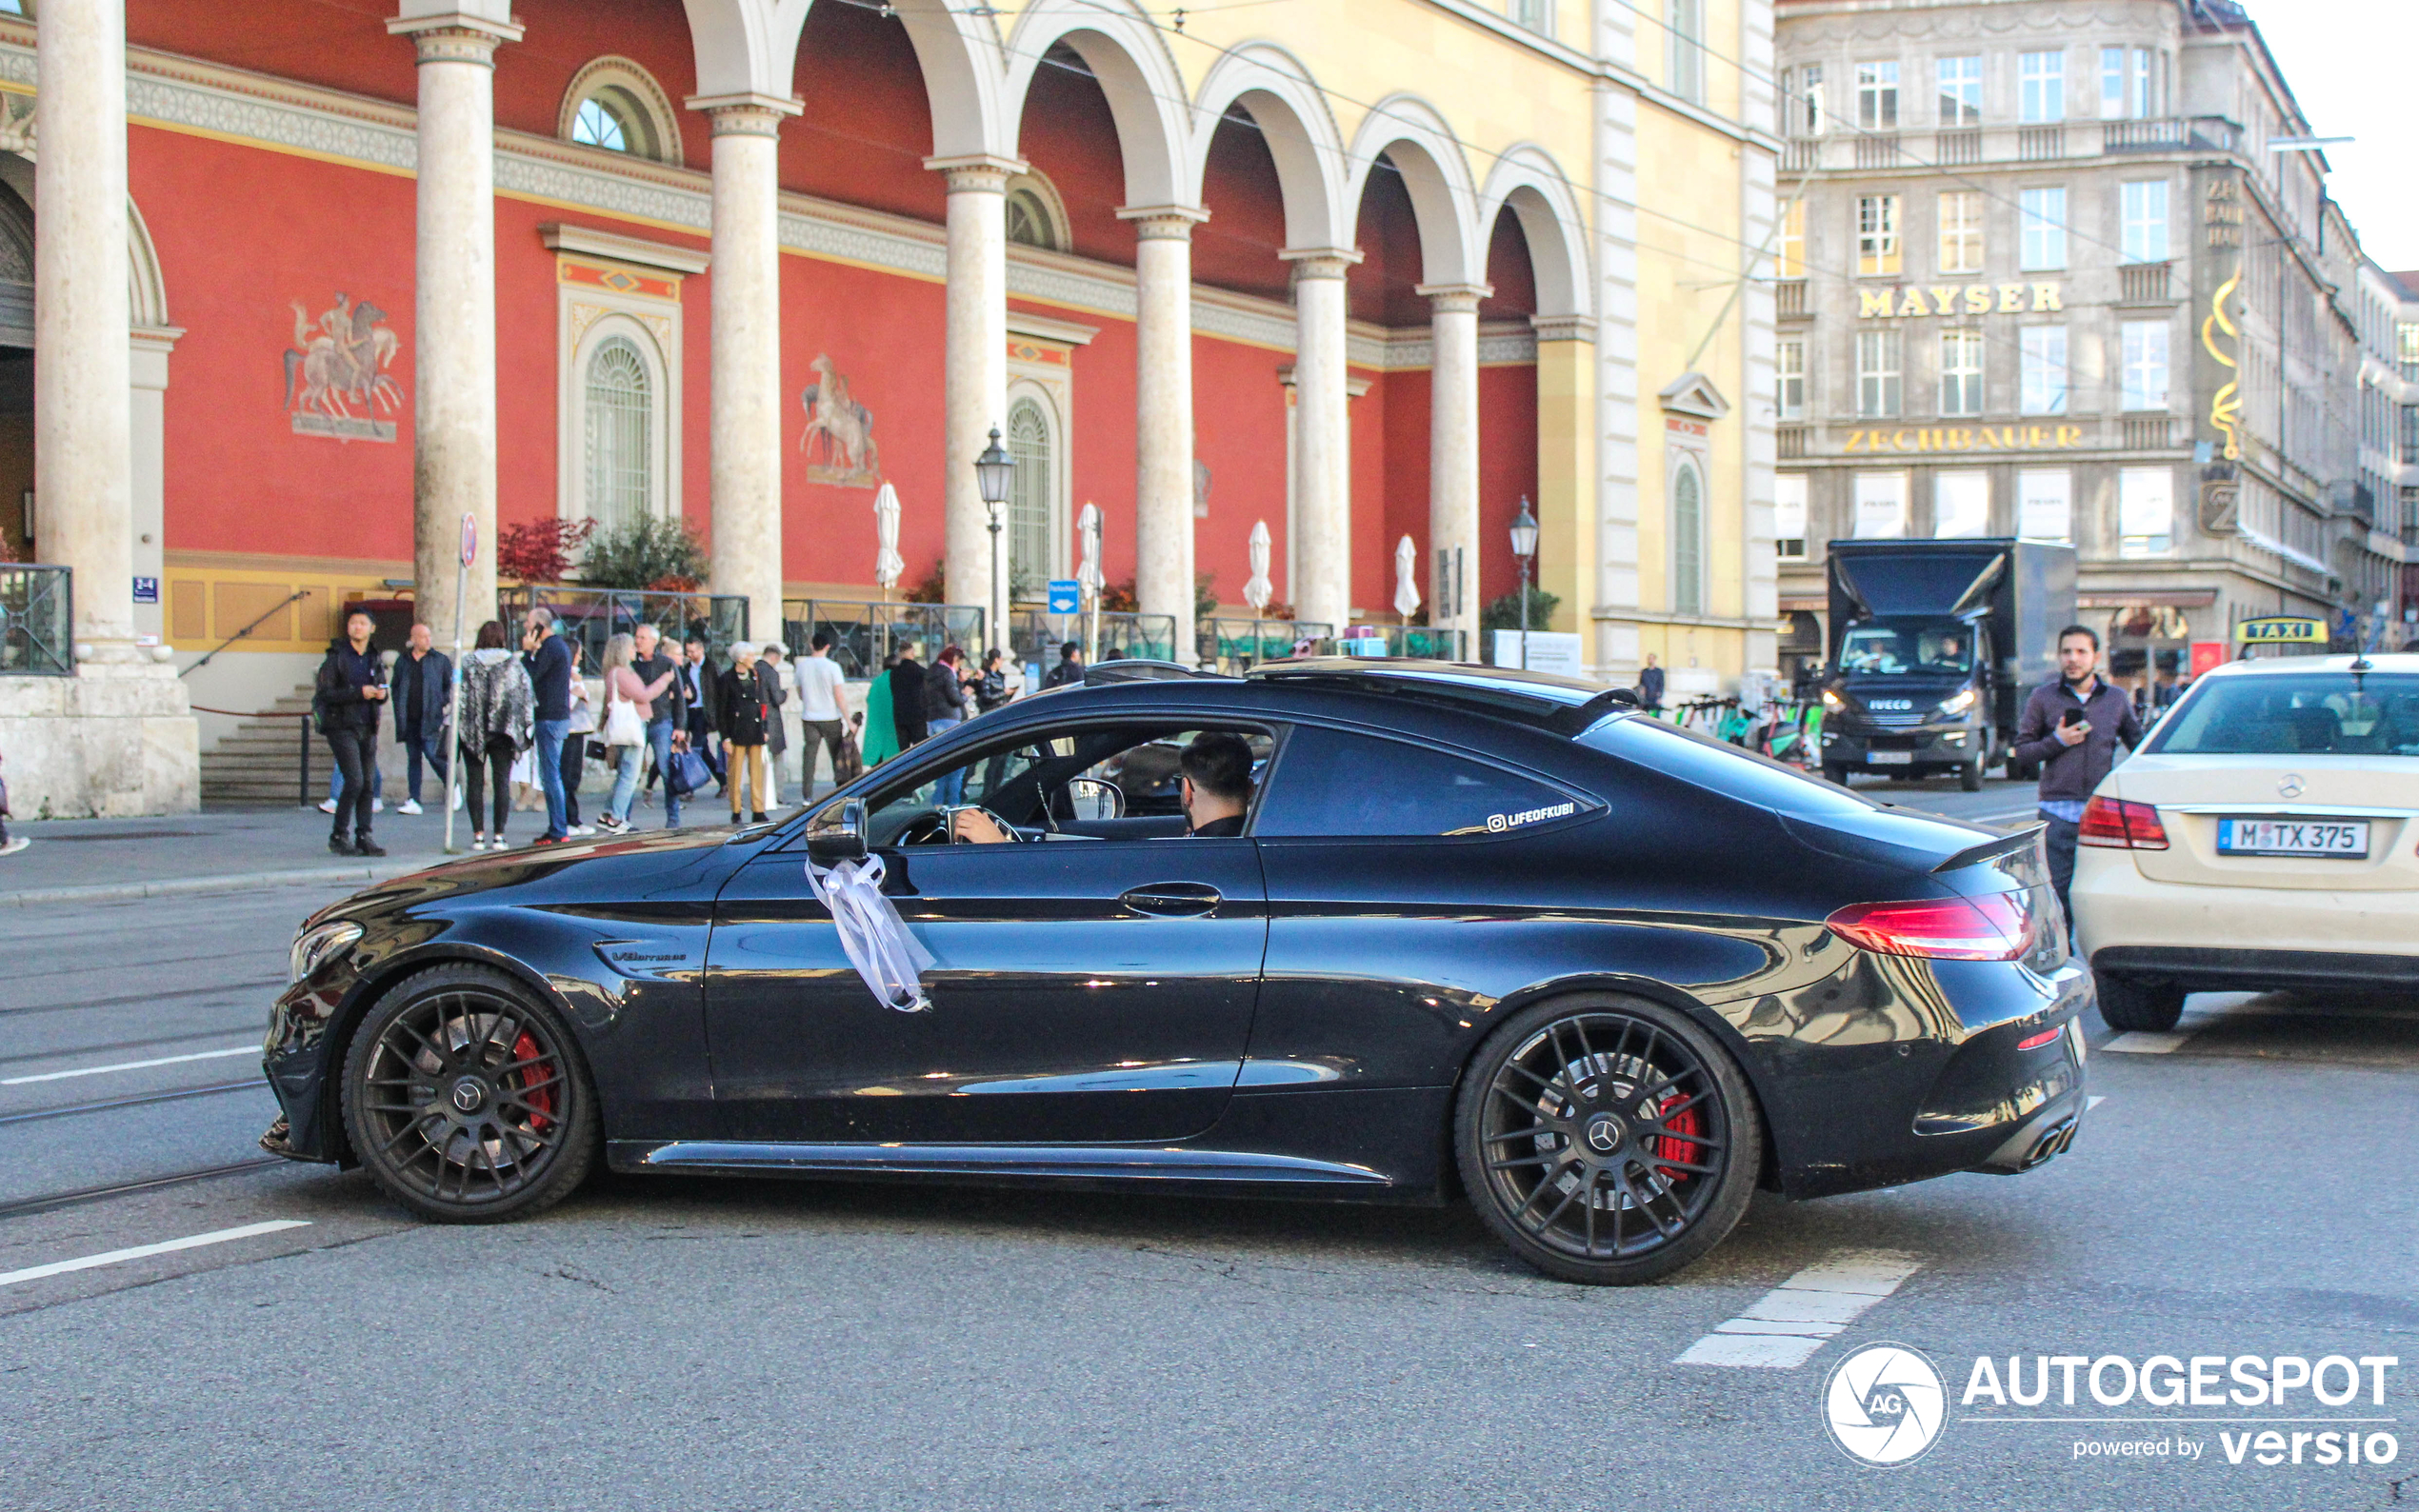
(689,772)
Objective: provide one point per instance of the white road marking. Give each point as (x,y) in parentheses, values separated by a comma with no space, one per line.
(131,1066)
(1790,1323)
(117,1257)
(2145,1042)
(2091,1102)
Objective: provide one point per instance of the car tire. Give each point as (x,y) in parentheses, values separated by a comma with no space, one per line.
(1970,777)
(466,1099)
(1835,772)
(2128,1004)
(1563,1099)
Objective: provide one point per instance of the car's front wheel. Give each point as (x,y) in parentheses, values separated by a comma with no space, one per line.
(1970,776)
(2126,1004)
(466,1100)
(1607,1141)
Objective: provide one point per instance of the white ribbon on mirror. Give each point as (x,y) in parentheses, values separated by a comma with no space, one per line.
(877,940)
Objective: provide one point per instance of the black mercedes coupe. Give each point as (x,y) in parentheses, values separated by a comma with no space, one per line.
(1484,933)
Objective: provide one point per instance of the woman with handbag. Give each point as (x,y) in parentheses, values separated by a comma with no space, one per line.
(629,704)
(497,723)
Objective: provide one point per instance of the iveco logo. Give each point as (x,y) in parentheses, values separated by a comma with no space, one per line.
(1894,705)
(2289,785)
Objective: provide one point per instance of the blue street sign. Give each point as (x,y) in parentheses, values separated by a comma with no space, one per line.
(146,590)
(1066,596)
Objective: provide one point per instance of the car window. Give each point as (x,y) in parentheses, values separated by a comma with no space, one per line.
(1026,783)
(2295,713)
(1722,768)
(1336,783)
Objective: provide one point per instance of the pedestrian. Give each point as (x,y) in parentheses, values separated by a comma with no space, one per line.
(881,725)
(1069,667)
(423,699)
(630,713)
(1650,686)
(997,683)
(822,710)
(746,699)
(908,680)
(547,659)
(944,685)
(498,723)
(2072,725)
(775,667)
(345,697)
(668,713)
(699,690)
(9,844)
(576,744)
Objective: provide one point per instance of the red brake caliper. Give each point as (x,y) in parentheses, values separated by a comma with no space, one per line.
(541,1103)
(1686,1121)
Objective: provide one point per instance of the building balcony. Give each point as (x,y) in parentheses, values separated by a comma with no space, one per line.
(1866,150)
(2147,432)
(2143,283)
(1789,299)
(1791,442)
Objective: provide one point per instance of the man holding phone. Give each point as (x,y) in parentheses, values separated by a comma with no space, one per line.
(2071,727)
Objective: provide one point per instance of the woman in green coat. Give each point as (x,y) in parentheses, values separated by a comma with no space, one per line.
(881,730)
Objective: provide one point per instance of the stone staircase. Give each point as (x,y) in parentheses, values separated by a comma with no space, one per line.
(254,767)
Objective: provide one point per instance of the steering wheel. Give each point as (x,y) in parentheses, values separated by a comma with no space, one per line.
(1005,829)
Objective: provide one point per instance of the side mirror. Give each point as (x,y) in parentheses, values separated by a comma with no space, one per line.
(1095,798)
(838,834)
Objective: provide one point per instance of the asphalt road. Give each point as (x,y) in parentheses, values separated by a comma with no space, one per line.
(659,1343)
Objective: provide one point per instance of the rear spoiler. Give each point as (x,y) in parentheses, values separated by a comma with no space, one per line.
(2021,850)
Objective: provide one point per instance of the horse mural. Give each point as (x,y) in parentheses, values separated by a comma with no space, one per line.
(838,440)
(341,367)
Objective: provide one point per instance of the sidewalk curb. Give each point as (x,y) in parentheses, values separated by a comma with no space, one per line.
(181,886)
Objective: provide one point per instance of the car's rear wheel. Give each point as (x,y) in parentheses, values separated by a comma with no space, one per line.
(2126,1004)
(466,1100)
(1607,1141)
(1970,776)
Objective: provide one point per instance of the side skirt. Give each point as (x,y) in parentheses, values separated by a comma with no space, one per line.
(1119,1164)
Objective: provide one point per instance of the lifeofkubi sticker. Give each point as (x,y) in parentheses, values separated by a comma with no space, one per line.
(1497,824)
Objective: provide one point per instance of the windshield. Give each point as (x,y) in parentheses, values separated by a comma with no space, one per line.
(1886,647)
(2291,714)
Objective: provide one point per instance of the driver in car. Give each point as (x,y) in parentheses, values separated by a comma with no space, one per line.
(1216,790)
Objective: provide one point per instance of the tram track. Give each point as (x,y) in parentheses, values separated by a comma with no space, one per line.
(139,1100)
(53,1201)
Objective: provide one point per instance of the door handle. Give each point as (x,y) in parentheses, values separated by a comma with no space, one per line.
(1173,899)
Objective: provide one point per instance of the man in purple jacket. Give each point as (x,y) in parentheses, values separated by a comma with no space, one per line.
(2071,727)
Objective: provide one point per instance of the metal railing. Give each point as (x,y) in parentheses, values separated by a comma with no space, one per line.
(1036,635)
(1235,646)
(594,616)
(37,620)
(865,633)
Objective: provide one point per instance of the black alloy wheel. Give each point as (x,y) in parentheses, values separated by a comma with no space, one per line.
(1970,776)
(1607,1141)
(466,1100)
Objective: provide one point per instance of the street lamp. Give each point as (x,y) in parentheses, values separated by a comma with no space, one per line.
(993,470)
(1524,544)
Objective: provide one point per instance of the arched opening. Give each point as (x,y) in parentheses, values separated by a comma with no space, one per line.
(1687,539)
(1068,133)
(615,106)
(1508,457)
(1036,216)
(866,123)
(621,434)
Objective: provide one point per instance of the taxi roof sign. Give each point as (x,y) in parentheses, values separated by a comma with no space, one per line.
(2281,629)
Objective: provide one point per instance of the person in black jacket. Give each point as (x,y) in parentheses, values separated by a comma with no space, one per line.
(2071,726)
(908,680)
(746,698)
(548,661)
(1069,667)
(423,691)
(700,692)
(668,722)
(350,685)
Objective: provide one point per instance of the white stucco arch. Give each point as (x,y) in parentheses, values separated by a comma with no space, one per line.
(1528,181)
(1146,92)
(1415,139)
(745,46)
(749,49)
(1302,135)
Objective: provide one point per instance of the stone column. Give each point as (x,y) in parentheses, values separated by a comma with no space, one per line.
(83,406)
(1568,538)
(1452,453)
(744,356)
(1162,414)
(1323,453)
(454,315)
(975,382)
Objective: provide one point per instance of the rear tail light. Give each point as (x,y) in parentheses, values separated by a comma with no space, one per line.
(2121,826)
(1992,926)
